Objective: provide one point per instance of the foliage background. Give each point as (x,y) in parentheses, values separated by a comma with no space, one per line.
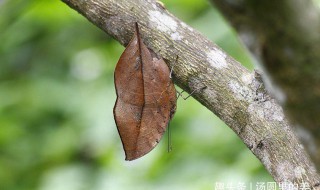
(56,99)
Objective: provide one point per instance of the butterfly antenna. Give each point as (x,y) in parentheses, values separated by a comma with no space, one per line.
(174,63)
(169,139)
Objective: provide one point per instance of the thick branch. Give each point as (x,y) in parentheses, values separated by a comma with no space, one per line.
(285,36)
(221,84)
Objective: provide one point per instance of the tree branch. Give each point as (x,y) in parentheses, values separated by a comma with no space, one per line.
(285,37)
(221,84)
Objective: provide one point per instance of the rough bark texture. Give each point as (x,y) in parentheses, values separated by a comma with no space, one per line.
(285,36)
(221,84)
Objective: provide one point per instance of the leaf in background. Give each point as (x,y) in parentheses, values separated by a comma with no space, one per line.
(146,98)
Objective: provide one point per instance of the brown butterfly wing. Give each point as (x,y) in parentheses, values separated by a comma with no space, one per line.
(146,98)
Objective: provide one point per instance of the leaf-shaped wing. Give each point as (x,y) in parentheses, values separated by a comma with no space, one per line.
(146,98)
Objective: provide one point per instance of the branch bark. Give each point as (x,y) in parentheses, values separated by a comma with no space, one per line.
(221,84)
(285,37)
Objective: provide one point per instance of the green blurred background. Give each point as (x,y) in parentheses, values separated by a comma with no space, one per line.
(57,130)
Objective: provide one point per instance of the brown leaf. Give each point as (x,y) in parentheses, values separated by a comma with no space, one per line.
(146,98)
